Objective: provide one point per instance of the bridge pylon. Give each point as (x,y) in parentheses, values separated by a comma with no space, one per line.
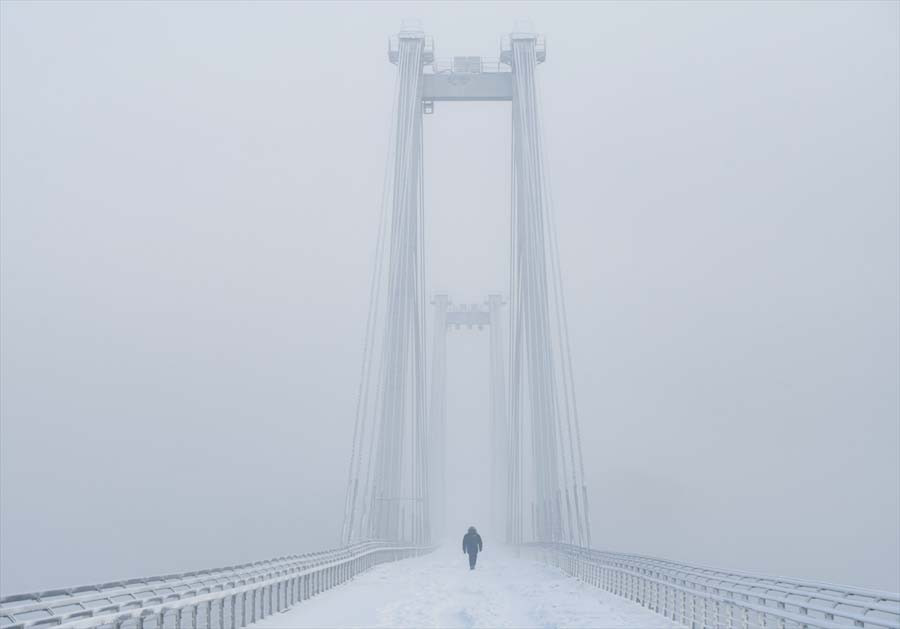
(392,481)
(468,316)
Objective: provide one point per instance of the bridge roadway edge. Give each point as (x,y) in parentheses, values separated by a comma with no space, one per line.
(235,596)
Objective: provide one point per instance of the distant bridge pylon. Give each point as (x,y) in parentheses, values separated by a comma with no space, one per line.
(477,316)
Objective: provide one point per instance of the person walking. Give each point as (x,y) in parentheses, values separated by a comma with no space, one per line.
(472,545)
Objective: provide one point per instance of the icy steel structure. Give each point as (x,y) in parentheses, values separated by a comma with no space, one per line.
(229,597)
(394,488)
(700,596)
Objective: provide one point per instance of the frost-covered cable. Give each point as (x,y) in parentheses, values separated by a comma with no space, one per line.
(392,435)
(359,425)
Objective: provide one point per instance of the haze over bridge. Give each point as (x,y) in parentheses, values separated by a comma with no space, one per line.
(394,495)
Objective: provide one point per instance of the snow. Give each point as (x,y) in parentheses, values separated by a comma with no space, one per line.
(439,590)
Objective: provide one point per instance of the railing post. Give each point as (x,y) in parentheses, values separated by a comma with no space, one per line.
(658,597)
(707,612)
(671,606)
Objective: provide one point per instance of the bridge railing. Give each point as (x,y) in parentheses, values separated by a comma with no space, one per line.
(221,598)
(699,597)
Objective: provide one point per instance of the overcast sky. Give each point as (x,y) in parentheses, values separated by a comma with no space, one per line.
(188,214)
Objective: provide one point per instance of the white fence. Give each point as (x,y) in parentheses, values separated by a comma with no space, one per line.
(221,598)
(699,597)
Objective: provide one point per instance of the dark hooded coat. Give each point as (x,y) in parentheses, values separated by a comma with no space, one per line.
(472,542)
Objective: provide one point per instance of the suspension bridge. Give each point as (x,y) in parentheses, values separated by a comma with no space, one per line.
(388,569)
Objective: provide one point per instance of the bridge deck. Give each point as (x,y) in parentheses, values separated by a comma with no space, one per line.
(438,590)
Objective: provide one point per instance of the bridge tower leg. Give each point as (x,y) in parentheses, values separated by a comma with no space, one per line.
(543,422)
(438,417)
(498,414)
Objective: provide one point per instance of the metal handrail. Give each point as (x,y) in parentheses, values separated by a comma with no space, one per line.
(299,576)
(700,596)
(105,592)
(789,587)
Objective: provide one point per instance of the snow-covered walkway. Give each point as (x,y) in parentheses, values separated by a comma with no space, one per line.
(438,590)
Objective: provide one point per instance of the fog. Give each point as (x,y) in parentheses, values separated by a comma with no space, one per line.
(188,215)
